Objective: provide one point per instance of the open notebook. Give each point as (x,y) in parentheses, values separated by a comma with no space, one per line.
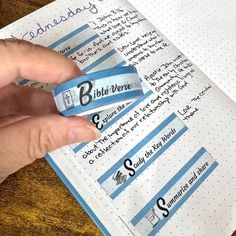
(165,164)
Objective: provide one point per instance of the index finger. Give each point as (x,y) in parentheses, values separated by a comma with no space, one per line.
(33,62)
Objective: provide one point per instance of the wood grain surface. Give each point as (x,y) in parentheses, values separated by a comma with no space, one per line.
(34,201)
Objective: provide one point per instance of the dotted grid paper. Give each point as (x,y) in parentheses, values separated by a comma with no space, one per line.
(203,30)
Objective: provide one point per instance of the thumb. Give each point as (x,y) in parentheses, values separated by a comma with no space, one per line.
(23,142)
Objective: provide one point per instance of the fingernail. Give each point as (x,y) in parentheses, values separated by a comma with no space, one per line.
(83,134)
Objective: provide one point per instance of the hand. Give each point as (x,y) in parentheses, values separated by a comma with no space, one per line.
(29,125)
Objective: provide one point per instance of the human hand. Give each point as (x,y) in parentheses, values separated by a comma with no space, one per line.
(29,125)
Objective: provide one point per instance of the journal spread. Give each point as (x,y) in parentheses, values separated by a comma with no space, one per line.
(165,163)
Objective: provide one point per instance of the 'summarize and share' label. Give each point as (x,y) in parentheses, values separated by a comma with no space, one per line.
(155,214)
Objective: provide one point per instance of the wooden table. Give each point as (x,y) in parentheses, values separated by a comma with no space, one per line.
(34,201)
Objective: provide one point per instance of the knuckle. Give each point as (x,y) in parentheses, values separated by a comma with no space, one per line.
(23,47)
(41,141)
(15,43)
(9,47)
(3,43)
(19,47)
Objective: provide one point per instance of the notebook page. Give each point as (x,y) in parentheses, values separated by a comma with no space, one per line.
(202,30)
(165,164)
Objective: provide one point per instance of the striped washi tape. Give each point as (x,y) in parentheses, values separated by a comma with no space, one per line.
(98,91)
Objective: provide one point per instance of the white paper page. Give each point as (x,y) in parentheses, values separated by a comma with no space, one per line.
(203,30)
(177,144)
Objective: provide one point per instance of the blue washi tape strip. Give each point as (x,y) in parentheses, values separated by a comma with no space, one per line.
(98,91)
